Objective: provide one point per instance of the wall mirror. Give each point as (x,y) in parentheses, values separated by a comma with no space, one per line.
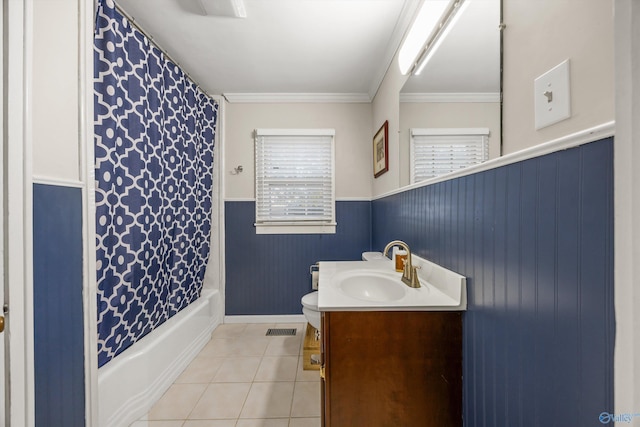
(460,86)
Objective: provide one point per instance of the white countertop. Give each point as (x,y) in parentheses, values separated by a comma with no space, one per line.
(441,290)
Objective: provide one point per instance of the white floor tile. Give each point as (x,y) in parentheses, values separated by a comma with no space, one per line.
(306,400)
(229,330)
(284,346)
(308,375)
(221,401)
(200,370)
(148,423)
(264,422)
(257,329)
(219,347)
(237,370)
(242,378)
(177,402)
(304,422)
(251,346)
(277,368)
(268,400)
(209,423)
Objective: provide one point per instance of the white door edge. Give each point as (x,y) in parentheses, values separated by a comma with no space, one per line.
(3,338)
(18,235)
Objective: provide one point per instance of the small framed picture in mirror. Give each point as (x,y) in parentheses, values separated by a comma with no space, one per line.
(381,150)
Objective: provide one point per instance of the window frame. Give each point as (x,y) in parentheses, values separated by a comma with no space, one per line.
(295,226)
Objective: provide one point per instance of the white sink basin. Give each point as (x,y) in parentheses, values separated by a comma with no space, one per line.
(375,285)
(371,285)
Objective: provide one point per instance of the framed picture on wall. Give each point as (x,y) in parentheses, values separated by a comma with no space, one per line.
(381,150)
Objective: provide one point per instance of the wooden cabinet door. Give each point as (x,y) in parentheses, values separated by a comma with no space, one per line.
(392,369)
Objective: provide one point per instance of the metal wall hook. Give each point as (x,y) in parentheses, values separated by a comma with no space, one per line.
(237,170)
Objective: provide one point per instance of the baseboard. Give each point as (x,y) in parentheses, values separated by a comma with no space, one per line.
(271,318)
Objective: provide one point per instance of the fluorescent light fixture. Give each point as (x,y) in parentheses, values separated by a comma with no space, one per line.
(428,28)
(425,22)
(231,8)
(434,44)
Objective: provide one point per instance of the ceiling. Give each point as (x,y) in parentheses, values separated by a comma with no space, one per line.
(336,47)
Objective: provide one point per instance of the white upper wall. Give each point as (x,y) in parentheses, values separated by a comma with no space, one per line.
(54,96)
(386,107)
(353,144)
(538,36)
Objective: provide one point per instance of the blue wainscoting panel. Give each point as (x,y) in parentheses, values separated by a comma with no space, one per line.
(269,273)
(535,240)
(57,301)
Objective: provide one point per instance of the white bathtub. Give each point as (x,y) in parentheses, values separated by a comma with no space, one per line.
(132,382)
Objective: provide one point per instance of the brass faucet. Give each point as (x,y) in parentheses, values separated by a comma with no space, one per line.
(410,273)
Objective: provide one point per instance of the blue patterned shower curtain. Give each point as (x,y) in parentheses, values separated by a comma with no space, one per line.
(154,140)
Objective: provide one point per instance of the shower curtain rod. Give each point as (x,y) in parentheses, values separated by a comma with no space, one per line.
(133,22)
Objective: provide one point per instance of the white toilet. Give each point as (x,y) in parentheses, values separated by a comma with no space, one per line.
(310,309)
(310,300)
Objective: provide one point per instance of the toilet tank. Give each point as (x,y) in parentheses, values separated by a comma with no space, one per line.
(372,256)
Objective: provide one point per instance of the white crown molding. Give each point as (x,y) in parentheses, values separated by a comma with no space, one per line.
(409,9)
(237,98)
(450,97)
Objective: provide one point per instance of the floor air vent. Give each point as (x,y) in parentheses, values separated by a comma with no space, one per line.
(281,332)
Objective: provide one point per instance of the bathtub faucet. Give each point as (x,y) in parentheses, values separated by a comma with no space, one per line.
(410,273)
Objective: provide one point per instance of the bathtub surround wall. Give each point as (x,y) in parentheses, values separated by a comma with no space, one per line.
(155,132)
(535,240)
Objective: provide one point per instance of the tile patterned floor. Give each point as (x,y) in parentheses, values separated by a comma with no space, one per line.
(242,378)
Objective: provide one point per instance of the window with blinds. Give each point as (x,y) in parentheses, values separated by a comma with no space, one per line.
(295,191)
(435,152)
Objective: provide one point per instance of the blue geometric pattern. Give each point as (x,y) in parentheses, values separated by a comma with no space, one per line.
(154,140)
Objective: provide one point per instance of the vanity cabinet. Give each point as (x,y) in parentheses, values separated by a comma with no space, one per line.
(391,369)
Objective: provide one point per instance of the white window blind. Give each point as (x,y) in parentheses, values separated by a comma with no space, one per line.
(295,180)
(436,152)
